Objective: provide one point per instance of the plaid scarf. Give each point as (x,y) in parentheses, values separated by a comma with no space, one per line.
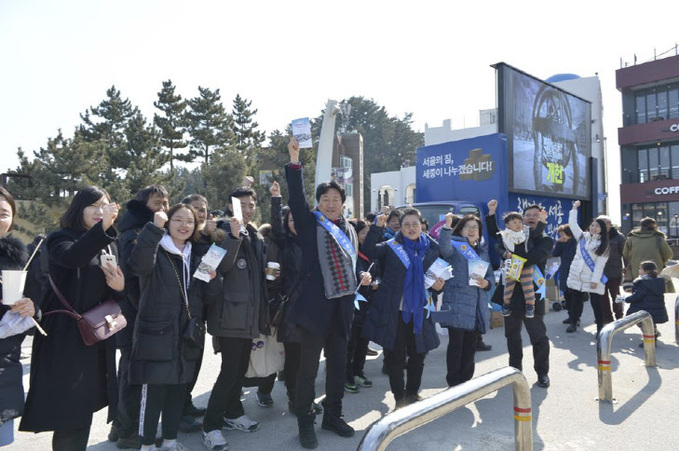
(337,267)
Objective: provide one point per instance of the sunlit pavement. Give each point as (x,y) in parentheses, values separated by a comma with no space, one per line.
(566,416)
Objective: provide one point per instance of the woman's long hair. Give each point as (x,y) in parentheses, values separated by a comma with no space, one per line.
(73,216)
(603,246)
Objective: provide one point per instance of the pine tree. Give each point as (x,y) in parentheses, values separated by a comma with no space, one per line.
(223,174)
(63,167)
(171,123)
(248,138)
(208,124)
(146,156)
(104,125)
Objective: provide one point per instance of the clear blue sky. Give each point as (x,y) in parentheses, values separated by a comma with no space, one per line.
(430,58)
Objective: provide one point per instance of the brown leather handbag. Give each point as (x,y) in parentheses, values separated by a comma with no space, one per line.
(96,324)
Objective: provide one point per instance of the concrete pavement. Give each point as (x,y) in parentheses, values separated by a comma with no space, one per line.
(565,416)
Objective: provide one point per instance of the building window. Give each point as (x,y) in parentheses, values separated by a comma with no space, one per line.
(664,213)
(673,108)
(657,163)
(657,104)
(643,166)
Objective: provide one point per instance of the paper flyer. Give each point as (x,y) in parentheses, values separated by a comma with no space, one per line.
(477,269)
(209,262)
(439,269)
(237,209)
(301,129)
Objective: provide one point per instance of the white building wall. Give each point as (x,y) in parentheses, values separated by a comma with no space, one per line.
(439,135)
(398,181)
(589,88)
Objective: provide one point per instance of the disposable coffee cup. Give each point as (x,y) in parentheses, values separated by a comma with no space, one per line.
(13,282)
(271,267)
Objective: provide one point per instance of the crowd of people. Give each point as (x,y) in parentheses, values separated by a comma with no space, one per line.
(312,278)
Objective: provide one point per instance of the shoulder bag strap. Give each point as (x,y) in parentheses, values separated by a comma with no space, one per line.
(179,280)
(71,311)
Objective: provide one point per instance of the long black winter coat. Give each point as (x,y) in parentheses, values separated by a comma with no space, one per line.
(381,325)
(70,380)
(566,251)
(290,258)
(616,244)
(242,310)
(137,214)
(159,353)
(648,294)
(313,311)
(13,255)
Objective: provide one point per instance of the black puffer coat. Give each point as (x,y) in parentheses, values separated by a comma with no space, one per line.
(649,294)
(13,255)
(137,214)
(242,310)
(159,353)
(381,325)
(70,380)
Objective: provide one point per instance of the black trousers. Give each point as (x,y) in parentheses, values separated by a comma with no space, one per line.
(157,399)
(460,355)
(188,399)
(538,339)
(71,440)
(335,344)
(293,353)
(596,300)
(264,384)
(578,299)
(129,396)
(395,361)
(608,300)
(357,350)
(225,397)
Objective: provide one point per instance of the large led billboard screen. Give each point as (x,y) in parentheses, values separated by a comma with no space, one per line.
(549,135)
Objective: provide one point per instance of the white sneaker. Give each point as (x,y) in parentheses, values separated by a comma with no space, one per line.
(174,446)
(215,441)
(242,423)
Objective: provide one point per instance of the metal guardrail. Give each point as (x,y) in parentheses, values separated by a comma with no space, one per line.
(603,348)
(384,431)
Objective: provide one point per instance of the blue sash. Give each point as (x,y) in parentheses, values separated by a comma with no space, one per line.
(539,281)
(400,252)
(341,237)
(588,259)
(465,249)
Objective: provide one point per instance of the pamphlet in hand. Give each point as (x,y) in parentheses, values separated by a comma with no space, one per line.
(301,130)
(209,263)
(237,209)
(439,269)
(477,270)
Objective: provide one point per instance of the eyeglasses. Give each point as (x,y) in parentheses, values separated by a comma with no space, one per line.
(471,227)
(410,225)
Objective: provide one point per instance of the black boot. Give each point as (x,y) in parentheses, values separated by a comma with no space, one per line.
(573,327)
(307,432)
(332,420)
(337,425)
